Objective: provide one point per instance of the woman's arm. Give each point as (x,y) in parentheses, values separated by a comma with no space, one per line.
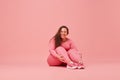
(52,47)
(74,49)
(53,52)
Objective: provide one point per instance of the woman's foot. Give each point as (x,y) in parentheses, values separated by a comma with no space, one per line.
(72,65)
(81,66)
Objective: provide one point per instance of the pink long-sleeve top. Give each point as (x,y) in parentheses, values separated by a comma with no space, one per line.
(67,45)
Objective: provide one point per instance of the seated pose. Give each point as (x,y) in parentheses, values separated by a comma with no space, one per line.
(63,51)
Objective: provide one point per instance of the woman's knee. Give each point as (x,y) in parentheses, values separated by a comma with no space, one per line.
(72,51)
(59,48)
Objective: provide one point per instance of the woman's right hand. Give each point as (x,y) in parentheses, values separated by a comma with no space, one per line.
(61,58)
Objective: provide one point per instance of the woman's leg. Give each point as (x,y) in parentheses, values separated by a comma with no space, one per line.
(77,58)
(75,55)
(61,51)
(52,61)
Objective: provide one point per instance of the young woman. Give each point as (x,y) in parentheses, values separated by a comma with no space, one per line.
(63,51)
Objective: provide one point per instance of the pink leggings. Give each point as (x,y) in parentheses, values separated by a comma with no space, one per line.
(70,55)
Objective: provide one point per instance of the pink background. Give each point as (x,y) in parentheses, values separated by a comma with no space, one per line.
(27,25)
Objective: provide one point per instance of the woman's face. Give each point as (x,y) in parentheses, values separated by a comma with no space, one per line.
(63,33)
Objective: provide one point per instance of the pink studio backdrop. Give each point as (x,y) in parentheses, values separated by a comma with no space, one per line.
(27,25)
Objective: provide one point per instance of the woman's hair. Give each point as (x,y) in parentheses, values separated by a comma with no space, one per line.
(57,36)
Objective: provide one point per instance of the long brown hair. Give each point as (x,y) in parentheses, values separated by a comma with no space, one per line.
(58,39)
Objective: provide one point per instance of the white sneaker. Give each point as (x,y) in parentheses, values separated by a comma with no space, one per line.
(81,67)
(72,66)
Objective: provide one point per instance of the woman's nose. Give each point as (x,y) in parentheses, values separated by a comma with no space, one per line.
(62,32)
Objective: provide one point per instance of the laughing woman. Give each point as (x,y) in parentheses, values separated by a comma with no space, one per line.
(63,51)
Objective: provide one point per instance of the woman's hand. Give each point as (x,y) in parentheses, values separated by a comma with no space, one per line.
(61,58)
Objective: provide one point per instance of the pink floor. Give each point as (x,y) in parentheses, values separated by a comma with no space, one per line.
(101,71)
